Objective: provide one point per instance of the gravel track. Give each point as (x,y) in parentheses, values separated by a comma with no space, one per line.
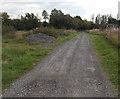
(71,70)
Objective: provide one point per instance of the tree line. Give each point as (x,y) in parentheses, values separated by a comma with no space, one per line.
(105,21)
(59,20)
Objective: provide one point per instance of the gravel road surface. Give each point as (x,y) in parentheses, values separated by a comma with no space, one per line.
(70,70)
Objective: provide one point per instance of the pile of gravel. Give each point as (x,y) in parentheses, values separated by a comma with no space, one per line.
(40,37)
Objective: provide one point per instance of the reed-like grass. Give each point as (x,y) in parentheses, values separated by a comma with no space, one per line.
(111,34)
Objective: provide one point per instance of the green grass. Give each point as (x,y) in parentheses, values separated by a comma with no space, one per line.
(20,56)
(108,55)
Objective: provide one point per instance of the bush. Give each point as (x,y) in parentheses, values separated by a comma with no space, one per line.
(8,31)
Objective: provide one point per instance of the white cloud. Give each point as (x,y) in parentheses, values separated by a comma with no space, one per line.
(84,8)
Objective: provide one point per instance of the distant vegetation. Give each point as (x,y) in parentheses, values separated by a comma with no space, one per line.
(57,19)
(105,21)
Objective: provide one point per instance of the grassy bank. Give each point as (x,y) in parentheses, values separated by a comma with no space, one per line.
(108,55)
(111,34)
(20,56)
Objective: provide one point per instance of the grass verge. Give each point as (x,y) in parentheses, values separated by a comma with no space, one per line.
(111,34)
(20,56)
(109,57)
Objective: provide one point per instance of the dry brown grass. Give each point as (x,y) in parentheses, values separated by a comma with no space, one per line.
(21,34)
(49,31)
(8,31)
(112,34)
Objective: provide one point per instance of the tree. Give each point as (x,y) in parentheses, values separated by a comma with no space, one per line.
(118,23)
(27,22)
(6,18)
(112,21)
(56,12)
(79,18)
(92,18)
(57,19)
(67,22)
(61,21)
(30,21)
(5,15)
(104,19)
(98,19)
(45,15)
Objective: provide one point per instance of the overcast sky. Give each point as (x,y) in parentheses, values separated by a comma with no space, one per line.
(84,8)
